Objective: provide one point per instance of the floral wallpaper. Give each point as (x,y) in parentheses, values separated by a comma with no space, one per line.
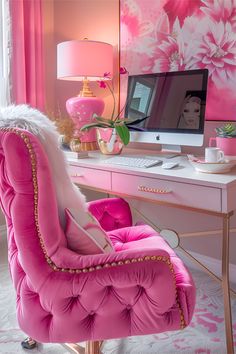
(170,35)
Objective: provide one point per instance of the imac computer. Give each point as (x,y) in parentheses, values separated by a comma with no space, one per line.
(168,108)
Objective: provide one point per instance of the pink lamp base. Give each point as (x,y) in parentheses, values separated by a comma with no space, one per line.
(82,110)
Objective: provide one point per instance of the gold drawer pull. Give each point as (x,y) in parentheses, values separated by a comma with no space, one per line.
(76,175)
(154,190)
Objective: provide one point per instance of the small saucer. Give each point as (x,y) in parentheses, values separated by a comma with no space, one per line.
(212,167)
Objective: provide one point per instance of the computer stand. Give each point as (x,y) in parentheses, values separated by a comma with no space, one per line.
(169,151)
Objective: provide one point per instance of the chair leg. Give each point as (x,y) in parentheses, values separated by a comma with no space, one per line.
(74,348)
(28,343)
(92,347)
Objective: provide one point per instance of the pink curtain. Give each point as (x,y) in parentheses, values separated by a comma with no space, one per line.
(27,64)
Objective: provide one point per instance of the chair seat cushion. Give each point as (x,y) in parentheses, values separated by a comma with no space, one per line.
(138,237)
(84,234)
(144,237)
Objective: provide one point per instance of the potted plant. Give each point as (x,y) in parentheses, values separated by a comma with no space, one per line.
(226,131)
(112,133)
(225,138)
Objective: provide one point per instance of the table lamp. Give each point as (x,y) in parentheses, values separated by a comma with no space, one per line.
(84,60)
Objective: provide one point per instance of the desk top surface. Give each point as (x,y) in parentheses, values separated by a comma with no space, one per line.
(184,172)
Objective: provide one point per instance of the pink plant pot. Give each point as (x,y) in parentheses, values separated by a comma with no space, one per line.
(228,145)
(108,141)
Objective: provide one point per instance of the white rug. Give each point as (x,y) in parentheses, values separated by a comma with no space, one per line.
(205,335)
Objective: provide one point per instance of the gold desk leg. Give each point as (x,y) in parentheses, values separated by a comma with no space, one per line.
(226,286)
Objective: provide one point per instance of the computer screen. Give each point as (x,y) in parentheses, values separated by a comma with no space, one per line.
(169,107)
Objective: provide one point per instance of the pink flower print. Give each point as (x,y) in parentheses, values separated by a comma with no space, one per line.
(181,9)
(162,27)
(168,57)
(175,50)
(130,17)
(216,51)
(181,344)
(220,10)
(132,25)
(216,339)
(207,319)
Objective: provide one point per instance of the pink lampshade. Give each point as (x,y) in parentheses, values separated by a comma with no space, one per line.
(78,59)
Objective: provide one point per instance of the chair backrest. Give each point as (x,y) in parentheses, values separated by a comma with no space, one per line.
(28,199)
(34,121)
(63,296)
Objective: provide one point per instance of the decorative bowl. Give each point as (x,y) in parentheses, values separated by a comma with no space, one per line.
(212,167)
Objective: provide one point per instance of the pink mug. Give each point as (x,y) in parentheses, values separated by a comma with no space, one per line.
(228,145)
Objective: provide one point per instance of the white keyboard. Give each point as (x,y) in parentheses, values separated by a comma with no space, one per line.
(133,161)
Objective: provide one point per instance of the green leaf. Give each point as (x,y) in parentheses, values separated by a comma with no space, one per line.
(226,131)
(94,125)
(101,119)
(123,133)
(128,121)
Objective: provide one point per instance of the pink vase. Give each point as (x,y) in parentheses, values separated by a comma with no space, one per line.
(228,145)
(82,110)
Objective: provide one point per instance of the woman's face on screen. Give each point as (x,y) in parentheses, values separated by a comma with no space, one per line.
(191,113)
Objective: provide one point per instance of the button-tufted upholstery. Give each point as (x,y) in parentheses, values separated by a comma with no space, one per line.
(141,288)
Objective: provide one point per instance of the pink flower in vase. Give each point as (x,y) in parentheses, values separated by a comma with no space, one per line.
(102,84)
(123,70)
(115,124)
(105,84)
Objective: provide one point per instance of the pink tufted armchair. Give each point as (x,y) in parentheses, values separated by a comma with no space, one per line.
(64,297)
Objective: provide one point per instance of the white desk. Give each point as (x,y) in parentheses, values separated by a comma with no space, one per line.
(181,187)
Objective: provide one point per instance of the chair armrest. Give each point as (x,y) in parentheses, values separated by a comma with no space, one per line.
(111,213)
(67,259)
(128,273)
(133,265)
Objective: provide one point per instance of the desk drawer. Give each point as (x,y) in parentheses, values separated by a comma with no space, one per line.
(168,191)
(90,177)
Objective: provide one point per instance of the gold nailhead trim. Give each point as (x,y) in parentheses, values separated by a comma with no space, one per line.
(90,269)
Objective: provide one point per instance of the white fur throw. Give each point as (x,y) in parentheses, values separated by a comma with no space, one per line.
(30,119)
